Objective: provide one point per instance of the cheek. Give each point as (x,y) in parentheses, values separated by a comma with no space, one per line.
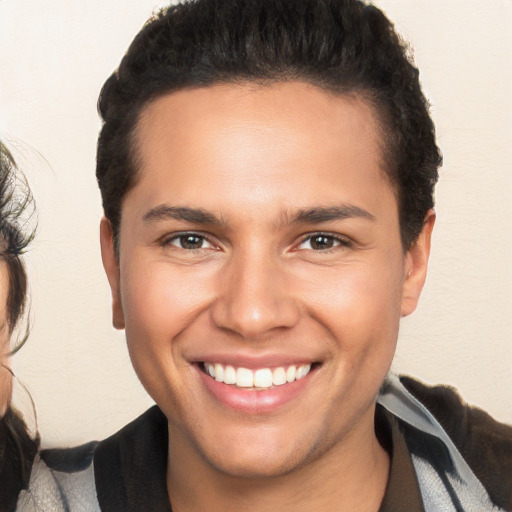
(161,301)
(361,313)
(360,304)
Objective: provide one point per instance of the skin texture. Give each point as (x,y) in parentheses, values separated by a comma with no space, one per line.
(257,288)
(5,376)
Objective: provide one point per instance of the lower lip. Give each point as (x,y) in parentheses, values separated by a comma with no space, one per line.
(251,401)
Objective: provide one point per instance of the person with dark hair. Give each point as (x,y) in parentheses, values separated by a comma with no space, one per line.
(17,447)
(267,172)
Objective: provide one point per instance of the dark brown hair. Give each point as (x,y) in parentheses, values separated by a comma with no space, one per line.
(344,46)
(17,447)
(16,212)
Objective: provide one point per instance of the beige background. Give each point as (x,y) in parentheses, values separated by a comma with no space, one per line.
(54,57)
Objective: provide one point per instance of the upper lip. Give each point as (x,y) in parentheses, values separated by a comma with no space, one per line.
(269,360)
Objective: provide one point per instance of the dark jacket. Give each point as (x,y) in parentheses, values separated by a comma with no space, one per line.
(17,452)
(445,456)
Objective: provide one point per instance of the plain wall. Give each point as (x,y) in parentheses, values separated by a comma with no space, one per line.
(54,57)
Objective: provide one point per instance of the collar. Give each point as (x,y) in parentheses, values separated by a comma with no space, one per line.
(130,466)
(402,492)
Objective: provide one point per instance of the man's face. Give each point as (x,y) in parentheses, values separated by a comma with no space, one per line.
(261,240)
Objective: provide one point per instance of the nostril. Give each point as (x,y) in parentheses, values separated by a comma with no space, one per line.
(253,317)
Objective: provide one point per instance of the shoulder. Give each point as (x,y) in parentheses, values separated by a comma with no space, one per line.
(484,442)
(451,436)
(61,480)
(123,472)
(17,452)
(130,466)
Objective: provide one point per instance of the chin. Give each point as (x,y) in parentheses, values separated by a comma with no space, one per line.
(260,457)
(257,467)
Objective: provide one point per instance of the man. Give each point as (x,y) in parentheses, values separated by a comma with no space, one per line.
(267,172)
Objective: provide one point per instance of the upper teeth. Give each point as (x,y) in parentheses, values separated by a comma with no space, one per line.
(261,378)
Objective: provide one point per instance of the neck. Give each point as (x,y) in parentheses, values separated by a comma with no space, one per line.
(351,475)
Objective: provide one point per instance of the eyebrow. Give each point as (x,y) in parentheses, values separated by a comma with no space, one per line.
(193,215)
(315,215)
(330,213)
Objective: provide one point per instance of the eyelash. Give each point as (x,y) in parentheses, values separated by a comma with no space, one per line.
(336,240)
(187,234)
(341,242)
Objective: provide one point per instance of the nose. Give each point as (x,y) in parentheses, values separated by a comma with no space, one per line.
(255,298)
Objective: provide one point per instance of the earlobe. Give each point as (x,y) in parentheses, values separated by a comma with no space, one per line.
(416,263)
(111,266)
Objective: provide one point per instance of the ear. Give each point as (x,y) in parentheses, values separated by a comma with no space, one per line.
(415,268)
(111,266)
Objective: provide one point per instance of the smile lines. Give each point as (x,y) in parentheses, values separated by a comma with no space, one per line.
(262,378)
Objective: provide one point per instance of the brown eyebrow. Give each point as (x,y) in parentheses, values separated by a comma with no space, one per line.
(193,215)
(330,213)
(302,216)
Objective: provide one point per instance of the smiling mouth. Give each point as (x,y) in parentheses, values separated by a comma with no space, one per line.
(260,379)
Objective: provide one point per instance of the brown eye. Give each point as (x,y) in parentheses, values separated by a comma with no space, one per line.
(323,242)
(320,242)
(189,241)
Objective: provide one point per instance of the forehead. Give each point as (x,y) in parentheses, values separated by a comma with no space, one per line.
(287,136)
